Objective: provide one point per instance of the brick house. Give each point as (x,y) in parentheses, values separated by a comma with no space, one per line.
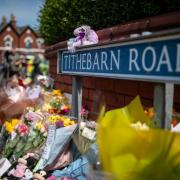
(22,40)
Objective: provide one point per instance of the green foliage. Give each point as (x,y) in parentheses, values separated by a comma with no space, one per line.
(58,18)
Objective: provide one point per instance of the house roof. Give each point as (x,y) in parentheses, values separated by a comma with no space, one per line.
(18,29)
(24,28)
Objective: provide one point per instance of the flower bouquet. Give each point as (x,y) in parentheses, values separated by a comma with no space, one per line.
(18,131)
(35,139)
(60,129)
(60,121)
(9,127)
(133,152)
(25,135)
(55,103)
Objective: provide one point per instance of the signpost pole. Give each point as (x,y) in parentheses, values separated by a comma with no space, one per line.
(76,96)
(159,104)
(163,104)
(169,96)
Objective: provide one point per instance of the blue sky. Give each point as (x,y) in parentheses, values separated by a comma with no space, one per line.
(26,11)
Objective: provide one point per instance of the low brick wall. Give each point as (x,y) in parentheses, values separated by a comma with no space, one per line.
(114,92)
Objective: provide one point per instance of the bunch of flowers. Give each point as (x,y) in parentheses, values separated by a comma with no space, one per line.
(33,116)
(24,135)
(55,103)
(18,132)
(10,125)
(35,139)
(60,121)
(6,131)
(58,103)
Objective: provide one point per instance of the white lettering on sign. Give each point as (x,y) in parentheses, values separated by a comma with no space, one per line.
(115,59)
(178,58)
(164,60)
(84,61)
(89,64)
(104,60)
(66,57)
(133,56)
(144,59)
(96,62)
(69,62)
(78,62)
(73,61)
(159,59)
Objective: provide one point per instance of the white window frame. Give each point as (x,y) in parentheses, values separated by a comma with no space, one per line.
(11,41)
(39,42)
(28,38)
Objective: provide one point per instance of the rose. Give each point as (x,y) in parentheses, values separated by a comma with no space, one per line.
(23,129)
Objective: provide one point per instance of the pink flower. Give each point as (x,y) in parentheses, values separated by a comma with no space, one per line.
(64,111)
(23,129)
(33,116)
(46,125)
(84,111)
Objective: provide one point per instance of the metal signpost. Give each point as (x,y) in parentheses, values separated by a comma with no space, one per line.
(153,58)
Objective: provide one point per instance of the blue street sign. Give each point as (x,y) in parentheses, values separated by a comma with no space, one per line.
(155,59)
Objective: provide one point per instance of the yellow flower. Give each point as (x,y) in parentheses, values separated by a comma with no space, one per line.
(56,93)
(15,122)
(54,119)
(10,125)
(72,122)
(39,125)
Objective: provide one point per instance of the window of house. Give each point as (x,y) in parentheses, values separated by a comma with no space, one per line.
(28,42)
(39,42)
(8,41)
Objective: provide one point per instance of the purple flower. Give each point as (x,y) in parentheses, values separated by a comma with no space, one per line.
(59,124)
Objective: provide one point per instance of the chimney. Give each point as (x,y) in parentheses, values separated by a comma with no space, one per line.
(13,20)
(3,22)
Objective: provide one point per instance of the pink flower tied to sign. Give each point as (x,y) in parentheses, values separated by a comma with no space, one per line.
(23,129)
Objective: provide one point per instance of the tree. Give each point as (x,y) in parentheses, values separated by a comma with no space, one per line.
(58,18)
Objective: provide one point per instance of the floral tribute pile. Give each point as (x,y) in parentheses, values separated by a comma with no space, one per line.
(23,136)
(39,140)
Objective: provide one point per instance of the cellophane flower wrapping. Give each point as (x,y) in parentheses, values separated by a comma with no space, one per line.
(85,135)
(132,152)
